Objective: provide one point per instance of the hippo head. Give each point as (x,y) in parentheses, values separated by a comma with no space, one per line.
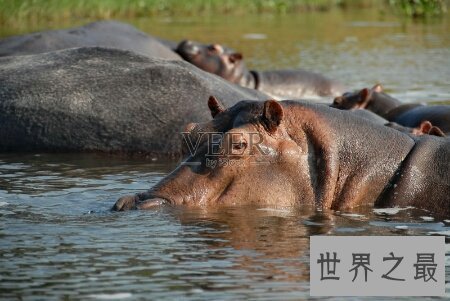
(233,158)
(213,58)
(356,100)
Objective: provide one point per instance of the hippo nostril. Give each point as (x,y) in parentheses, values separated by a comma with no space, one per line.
(215,48)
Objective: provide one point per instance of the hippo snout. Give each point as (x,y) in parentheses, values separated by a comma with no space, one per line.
(187,47)
(126,203)
(337,102)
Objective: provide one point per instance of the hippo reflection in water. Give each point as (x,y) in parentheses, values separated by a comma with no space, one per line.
(303,154)
(224,62)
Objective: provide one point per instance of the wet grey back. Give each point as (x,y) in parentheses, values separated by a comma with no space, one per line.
(110,34)
(104,100)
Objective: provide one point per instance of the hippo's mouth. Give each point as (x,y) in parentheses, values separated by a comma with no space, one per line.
(153,201)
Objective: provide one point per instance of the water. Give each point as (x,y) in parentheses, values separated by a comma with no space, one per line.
(58,240)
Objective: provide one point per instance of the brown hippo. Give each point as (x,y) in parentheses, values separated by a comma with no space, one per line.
(224,62)
(410,115)
(291,153)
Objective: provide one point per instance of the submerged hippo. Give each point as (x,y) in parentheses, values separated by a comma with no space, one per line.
(410,115)
(291,153)
(110,34)
(98,99)
(291,84)
(425,128)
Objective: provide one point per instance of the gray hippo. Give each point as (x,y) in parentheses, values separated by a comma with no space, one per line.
(224,62)
(425,128)
(410,115)
(290,153)
(109,34)
(108,100)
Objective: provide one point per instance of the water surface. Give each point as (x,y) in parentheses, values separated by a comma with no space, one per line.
(59,240)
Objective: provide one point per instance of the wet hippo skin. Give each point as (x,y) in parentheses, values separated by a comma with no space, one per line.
(110,34)
(410,115)
(283,84)
(307,154)
(370,116)
(109,100)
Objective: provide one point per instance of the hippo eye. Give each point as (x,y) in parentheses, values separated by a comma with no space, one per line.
(240,145)
(212,47)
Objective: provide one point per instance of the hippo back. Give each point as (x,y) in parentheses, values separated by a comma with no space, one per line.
(370,116)
(109,34)
(438,115)
(98,99)
(423,179)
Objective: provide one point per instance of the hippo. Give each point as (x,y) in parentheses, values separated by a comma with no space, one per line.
(410,115)
(425,128)
(103,100)
(109,34)
(282,84)
(290,153)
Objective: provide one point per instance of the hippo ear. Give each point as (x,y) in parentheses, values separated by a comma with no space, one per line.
(234,57)
(272,115)
(377,88)
(364,98)
(425,127)
(436,131)
(215,106)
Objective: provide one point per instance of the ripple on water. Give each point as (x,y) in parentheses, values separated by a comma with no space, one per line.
(116,296)
(52,247)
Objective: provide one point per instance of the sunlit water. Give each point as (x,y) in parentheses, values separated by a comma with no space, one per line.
(58,239)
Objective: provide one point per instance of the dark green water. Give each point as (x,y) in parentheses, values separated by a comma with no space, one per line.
(58,241)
